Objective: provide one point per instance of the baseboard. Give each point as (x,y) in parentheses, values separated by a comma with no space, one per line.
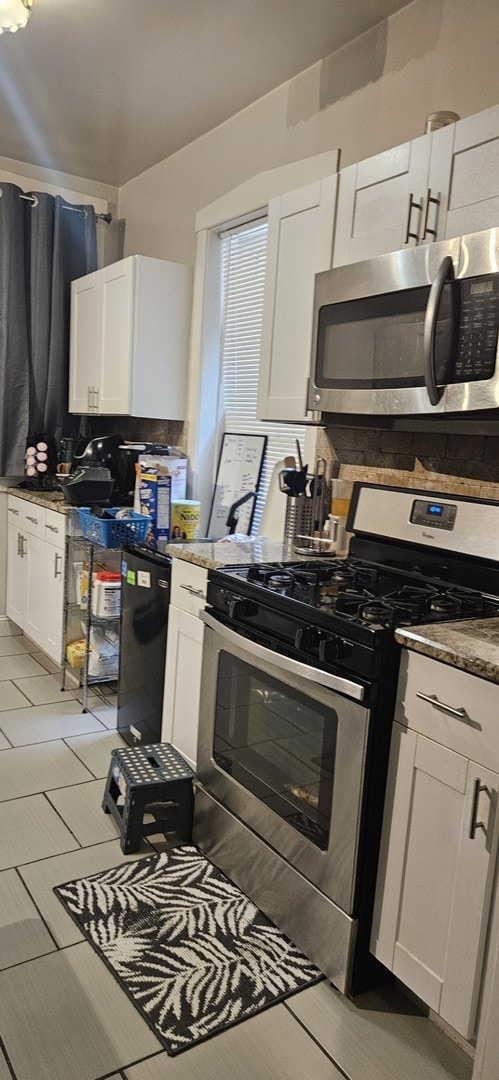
(7,627)
(441,1024)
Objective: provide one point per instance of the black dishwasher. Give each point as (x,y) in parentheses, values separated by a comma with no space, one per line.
(145,598)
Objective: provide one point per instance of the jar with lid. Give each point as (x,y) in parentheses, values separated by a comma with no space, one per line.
(106,594)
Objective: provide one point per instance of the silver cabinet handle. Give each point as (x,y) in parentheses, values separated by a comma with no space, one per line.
(194,592)
(12,511)
(412,206)
(57,564)
(96,402)
(53,528)
(474,824)
(460,714)
(436,202)
(19,538)
(163,584)
(24,547)
(34,520)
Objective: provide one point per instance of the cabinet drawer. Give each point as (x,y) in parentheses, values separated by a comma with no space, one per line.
(34,520)
(55,527)
(463,711)
(28,516)
(15,511)
(189,584)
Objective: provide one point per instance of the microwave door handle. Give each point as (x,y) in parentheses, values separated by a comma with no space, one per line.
(285,663)
(445,273)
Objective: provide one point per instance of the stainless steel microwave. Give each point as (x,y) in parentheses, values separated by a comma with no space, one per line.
(410,333)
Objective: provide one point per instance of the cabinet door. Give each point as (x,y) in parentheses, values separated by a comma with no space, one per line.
(85,343)
(381,202)
(189,585)
(181,700)
(472,191)
(54,577)
(115,356)
(36,590)
(16,576)
(434,880)
(299,246)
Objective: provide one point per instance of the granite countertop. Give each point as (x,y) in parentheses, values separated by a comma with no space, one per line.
(52,500)
(471,645)
(214,553)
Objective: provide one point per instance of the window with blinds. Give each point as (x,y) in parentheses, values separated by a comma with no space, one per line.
(244,251)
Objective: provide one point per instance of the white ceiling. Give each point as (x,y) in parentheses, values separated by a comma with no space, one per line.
(103,89)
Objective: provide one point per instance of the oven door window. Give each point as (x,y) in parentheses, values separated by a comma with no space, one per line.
(277,743)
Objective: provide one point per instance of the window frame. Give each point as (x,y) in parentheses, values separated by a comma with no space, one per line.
(246,203)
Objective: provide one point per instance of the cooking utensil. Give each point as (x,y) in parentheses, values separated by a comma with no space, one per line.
(311,522)
(293,482)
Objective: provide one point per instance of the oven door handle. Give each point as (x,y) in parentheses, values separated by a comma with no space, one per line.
(285,663)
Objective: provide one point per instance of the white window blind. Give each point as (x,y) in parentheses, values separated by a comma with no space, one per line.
(244,252)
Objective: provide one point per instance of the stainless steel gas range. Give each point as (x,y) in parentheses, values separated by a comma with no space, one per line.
(298,688)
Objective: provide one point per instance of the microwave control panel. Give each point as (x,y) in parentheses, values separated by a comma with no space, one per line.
(438,515)
(478,329)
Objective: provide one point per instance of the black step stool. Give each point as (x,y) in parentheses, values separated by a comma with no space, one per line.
(143,775)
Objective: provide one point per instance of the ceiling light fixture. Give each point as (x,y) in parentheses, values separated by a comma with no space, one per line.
(14,14)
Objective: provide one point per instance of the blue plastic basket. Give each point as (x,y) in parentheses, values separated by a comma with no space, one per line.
(113,533)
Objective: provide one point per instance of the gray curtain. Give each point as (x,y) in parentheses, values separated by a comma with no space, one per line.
(44,245)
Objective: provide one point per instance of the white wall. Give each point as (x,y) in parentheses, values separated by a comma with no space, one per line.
(74,189)
(374,93)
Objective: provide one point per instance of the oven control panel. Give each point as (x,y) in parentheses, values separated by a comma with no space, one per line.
(438,515)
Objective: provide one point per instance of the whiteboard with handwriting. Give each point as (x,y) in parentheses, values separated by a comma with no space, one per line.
(239,470)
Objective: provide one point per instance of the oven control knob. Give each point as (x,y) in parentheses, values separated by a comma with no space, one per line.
(306,637)
(239,608)
(333,648)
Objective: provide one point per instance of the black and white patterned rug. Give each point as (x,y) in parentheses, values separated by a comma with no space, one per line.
(193,954)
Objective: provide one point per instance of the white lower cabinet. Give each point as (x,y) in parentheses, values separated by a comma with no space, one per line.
(439,842)
(16,576)
(36,590)
(54,579)
(35,573)
(183,681)
(184,653)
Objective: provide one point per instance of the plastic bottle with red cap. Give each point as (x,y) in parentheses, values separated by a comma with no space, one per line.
(106,594)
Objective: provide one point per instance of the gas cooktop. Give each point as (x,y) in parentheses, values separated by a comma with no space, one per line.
(364,593)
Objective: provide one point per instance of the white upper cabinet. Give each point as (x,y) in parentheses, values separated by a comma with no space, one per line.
(85,341)
(381,202)
(472,194)
(435,187)
(117,317)
(130,326)
(300,239)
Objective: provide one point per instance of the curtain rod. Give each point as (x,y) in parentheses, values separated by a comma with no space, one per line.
(76,210)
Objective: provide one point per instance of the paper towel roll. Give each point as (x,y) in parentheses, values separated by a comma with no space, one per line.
(274,511)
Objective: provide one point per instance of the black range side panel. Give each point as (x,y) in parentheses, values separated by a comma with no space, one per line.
(145,599)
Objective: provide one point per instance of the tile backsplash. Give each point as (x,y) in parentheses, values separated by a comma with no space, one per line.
(458,464)
(139,429)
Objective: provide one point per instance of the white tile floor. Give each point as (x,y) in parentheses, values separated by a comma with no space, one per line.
(62,1015)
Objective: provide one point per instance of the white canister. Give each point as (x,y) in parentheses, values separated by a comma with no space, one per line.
(106,594)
